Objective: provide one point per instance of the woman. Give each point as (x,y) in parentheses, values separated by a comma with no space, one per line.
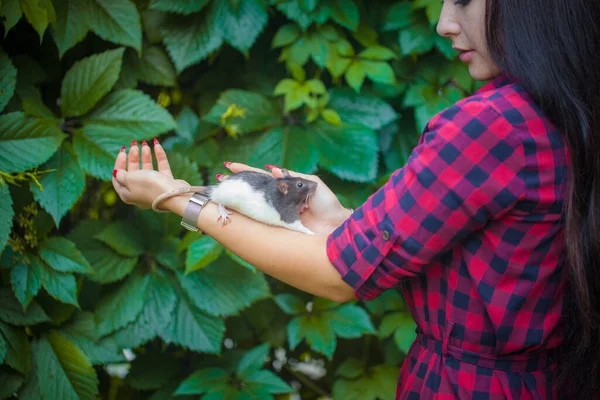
(473,228)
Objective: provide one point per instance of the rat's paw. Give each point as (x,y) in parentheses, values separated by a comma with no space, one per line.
(223,215)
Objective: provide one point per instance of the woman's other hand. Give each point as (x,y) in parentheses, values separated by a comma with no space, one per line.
(140,187)
(325,212)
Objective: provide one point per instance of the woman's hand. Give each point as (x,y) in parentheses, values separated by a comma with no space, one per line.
(140,187)
(325,212)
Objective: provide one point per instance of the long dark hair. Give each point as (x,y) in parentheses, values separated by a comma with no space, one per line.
(553,48)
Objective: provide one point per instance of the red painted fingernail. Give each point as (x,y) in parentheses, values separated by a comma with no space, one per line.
(115,173)
(123,149)
(144,143)
(269,166)
(156,141)
(133,143)
(219,176)
(227,164)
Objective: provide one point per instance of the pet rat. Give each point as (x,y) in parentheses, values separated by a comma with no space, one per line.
(262,197)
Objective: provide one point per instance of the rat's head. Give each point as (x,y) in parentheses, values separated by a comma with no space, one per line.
(296,187)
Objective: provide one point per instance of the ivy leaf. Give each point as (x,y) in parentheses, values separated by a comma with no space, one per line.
(6,215)
(117,21)
(345,13)
(402,325)
(180,6)
(317,331)
(108,266)
(201,253)
(350,321)
(285,35)
(156,313)
(350,152)
(294,11)
(88,80)
(253,360)
(367,110)
(290,304)
(255,111)
(433,8)
(398,16)
(290,146)
(26,280)
(356,74)
(72,377)
(379,382)
(11,12)
(62,255)
(155,67)
(39,14)
(185,168)
(18,350)
(11,311)
(379,71)
(62,187)
(122,305)
(207,380)
(61,286)
(267,381)
(8,79)
(239,24)
(224,288)
(190,40)
(123,238)
(72,24)
(82,332)
(132,111)
(418,39)
(193,329)
(26,142)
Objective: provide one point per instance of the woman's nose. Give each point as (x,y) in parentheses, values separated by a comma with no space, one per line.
(448,25)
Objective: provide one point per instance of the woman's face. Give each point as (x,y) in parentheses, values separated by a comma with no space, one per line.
(463,21)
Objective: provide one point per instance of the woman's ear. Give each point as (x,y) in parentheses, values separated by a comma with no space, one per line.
(283,187)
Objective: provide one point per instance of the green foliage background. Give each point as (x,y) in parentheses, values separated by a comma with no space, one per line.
(339,88)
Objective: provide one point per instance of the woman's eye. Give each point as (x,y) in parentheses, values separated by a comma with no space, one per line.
(299,184)
(462,2)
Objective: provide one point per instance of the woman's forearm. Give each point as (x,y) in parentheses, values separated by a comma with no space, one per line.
(295,258)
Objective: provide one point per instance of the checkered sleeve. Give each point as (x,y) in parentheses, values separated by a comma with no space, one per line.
(463,172)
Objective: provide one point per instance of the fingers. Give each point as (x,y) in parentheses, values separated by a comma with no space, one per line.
(238,167)
(121,160)
(133,158)
(161,159)
(146,156)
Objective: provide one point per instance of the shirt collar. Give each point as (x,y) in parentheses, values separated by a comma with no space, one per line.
(500,80)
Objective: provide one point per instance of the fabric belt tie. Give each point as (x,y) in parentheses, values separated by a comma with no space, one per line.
(523,363)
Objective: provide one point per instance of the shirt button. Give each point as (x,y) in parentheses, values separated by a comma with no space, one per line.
(385,235)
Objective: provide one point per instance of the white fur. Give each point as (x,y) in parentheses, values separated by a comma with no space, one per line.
(239,195)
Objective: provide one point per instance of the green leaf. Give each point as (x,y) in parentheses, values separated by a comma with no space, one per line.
(379,71)
(6,215)
(345,13)
(201,253)
(193,329)
(82,332)
(268,382)
(433,8)
(285,35)
(405,332)
(62,255)
(317,331)
(332,117)
(26,280)
(62,187)
(11,11)
(39,14)
(122,305)
(241,24)
(18,351)
(72,24)
(179,6)
(108,266)
(258,112)
(35,107)
(122,237)
(10,382)
(11,311)
(97,146)
(398,16)
(294,11)
(26,142)
(350,368)
(204,381)
(224,288)
(378,383)
(187,124)
(291,146)
(418,39)
(190,40)
(350,321)
(88,80)
(370,111)
(403,144)
(155,67)
(444,45)
(117,21)
(152,370)
(378,53)
(132,111)
(64,370)
(350,152)
(61,286)
(355,75)
(253,360)
(8,79)
(185,168)
(155,316)
(290,304)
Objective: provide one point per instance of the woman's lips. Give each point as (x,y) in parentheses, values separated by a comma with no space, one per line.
(466,55)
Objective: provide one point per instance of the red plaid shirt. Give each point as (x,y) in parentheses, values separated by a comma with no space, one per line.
(471,231)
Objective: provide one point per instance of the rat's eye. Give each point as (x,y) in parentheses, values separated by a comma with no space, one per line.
(299,184)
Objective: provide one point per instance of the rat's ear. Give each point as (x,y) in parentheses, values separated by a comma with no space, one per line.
(283,187)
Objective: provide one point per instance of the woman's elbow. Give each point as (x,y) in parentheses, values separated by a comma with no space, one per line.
(342,294)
